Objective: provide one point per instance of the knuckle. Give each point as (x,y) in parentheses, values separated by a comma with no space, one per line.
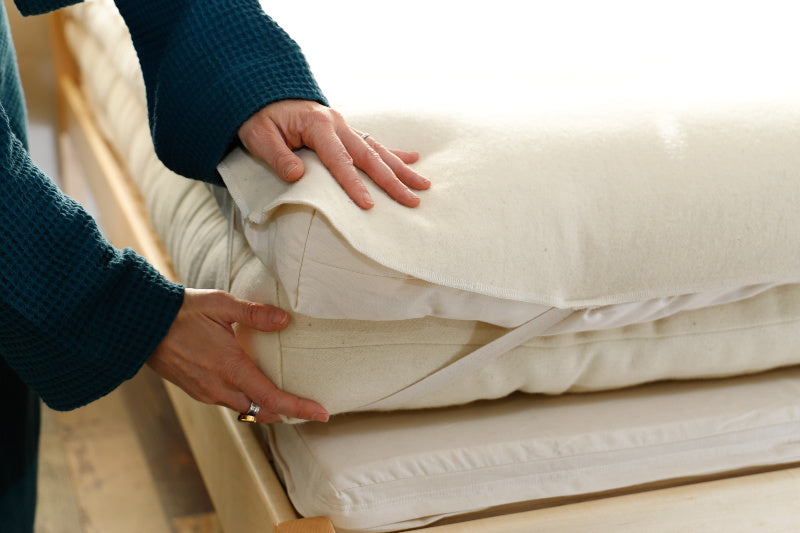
(217,297)
(320,117)
(207,394)
(282,158)
(230,369)
(345,160)
(372,157)
(269,403)
(252,312)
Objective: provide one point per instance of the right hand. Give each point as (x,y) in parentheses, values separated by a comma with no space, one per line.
(201,355)
(286,125)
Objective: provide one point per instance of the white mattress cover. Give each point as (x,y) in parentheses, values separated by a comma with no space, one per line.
(383,472)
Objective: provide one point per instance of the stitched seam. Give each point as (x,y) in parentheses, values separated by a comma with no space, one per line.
(303,256)
(418,494)
(399,275)
(277,299)
(548,347)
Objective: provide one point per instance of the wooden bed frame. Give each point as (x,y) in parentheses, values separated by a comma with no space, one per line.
(244,488)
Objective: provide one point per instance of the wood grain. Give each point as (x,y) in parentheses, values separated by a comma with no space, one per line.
(57,510)
(114,486)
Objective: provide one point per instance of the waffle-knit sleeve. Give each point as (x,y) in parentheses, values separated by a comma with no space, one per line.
(208,66)
(77,317)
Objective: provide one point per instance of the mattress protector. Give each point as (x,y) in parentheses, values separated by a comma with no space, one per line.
(562,176)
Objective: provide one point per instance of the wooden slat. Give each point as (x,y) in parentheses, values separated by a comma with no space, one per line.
(315,524)
(768,501)
(64,65)
(244,488)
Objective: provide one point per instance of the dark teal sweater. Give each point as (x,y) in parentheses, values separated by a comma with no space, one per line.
(78,317)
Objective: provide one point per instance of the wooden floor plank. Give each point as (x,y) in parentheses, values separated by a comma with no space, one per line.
(177,480)
(114,487)
(121,464)
(57,510)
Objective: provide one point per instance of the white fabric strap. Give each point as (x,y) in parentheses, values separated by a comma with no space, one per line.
(535,327)
(230,210)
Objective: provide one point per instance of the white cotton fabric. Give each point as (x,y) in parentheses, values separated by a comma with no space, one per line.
(349,364)
(324,277)
(596,164)
(387,472)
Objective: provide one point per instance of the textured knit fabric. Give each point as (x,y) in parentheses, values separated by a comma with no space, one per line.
(77,317)
(19,416)
(19,438)
(208,66)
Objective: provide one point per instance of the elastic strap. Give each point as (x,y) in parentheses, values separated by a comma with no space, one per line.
(230,210)
(471,362)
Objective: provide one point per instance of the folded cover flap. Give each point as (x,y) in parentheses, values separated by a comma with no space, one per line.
(565,179)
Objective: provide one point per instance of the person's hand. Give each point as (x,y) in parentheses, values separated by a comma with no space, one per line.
(201,355)
(282,126)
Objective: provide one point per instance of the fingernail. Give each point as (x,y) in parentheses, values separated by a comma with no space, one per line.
(320,417)
(278,317)
(289,172)
(412,200)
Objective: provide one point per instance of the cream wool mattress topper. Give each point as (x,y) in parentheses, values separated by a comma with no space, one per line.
(675,200)
(612,181)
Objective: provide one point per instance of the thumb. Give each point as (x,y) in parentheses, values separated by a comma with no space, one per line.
(262,317)
(269,144)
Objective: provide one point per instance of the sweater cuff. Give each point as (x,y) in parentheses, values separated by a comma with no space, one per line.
(103,348)
(209,66)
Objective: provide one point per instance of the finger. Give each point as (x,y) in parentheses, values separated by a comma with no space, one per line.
(229,309)
(241,404)
(273,400)
(336,158)
(268,143)
(370,161)
(399,165)
(267,418)
(406,157)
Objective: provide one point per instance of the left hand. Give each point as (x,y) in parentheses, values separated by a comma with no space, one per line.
(283,126)
(200,354)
